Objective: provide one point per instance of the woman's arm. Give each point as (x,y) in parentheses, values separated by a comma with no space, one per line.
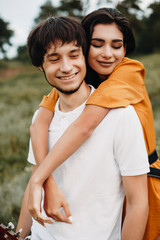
(54,198)
(80,131)
(25,218)
(39,134)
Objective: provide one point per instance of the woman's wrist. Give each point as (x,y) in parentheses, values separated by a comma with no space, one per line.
(36,180)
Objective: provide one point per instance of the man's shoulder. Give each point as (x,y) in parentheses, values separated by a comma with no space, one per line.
(34,115)
(124,111)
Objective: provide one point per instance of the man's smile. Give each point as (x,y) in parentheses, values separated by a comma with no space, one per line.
(67,77)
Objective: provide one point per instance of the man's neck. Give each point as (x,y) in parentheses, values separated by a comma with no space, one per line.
(68,102)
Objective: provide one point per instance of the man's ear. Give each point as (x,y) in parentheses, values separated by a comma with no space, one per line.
(40,68)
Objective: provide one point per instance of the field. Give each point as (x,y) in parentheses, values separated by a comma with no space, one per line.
(21,90)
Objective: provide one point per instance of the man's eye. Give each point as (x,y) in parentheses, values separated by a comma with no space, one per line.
(54,60)
(74,56)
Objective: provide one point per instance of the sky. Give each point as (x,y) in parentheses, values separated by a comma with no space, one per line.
(21,14)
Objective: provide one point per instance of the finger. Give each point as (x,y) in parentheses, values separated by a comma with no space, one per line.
(36,214)
(41,223)
(38,217)
(66,210)
(61,218)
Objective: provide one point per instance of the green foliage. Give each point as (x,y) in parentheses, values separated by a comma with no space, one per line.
(22,54)
(152,63)
(131,10)
(20,94)
(21,90)
(146,28)
(5,35)
(72,8)
(46,10)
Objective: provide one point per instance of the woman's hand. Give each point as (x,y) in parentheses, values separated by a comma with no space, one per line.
(34,202)
(54,201)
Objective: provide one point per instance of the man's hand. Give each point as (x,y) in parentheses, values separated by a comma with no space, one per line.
(54,200)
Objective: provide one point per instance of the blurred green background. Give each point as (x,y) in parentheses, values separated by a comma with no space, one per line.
(22,87)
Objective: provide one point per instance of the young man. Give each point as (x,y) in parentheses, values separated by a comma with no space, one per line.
(111,163)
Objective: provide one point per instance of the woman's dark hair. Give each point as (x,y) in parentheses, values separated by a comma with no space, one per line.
(106,16)
(51,30)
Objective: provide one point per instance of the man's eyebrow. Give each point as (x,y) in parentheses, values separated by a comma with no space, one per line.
(56,54)
(75,50)
(52,55)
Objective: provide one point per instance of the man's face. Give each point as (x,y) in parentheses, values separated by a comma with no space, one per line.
(64,66)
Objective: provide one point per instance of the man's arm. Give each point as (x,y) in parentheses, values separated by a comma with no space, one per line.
(25,218)
(137,207)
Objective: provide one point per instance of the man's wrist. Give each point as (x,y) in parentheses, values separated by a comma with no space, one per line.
(49,181)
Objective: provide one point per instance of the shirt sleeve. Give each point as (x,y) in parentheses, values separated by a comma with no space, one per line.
(50,100)
(129,146)
(31,158)
(125,86)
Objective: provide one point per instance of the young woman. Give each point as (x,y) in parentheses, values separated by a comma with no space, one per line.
(120,82)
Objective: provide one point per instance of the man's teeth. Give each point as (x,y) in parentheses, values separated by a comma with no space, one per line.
(66,78)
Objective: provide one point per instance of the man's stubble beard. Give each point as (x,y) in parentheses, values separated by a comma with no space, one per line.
(67,92)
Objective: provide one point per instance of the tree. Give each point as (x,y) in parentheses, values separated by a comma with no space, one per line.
(46,10)
(149,40)
(153,24)
(132,11)
(5,34)
(73,8)
(22,54)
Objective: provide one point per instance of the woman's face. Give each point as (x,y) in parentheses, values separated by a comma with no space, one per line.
(106,50)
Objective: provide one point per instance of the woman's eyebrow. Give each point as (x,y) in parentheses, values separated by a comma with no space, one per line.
(117,40)
(101,40)
(97,39)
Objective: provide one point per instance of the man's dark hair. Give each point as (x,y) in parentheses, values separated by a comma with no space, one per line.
(51,30)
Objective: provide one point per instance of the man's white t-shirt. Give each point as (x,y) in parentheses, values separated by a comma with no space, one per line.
(91,179)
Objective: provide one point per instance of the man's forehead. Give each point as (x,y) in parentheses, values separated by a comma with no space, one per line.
(54,47)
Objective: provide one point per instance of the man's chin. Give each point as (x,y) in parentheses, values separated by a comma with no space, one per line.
(69,91)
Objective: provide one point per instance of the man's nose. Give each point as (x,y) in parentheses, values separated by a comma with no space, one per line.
(66,66)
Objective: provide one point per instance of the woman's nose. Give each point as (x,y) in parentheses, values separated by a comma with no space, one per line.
(106,52)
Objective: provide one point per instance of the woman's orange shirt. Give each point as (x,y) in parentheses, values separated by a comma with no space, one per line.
(125,86)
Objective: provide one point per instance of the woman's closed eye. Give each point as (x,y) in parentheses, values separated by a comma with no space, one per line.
(117,47)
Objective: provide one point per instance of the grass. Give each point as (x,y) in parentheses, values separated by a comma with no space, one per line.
(21,90)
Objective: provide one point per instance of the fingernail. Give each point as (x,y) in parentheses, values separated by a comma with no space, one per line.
(70,219)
